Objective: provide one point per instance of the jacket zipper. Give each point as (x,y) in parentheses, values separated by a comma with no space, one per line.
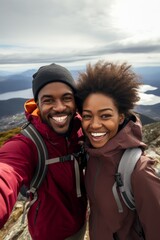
(94,186)
(36,212)
(115,236)
(67,144)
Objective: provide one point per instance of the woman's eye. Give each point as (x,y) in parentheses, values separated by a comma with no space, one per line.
(105,116)
(85,117)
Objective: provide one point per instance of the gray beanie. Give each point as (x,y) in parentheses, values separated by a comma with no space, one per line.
(51,73)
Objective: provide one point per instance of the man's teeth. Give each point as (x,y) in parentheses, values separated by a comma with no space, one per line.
(97,134)
(59,119)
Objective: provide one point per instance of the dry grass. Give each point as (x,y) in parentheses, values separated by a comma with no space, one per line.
(4,136)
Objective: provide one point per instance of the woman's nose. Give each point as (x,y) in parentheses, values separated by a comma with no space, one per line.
(95,123)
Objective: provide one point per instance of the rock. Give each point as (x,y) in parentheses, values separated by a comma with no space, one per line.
(151,136)
(14,229)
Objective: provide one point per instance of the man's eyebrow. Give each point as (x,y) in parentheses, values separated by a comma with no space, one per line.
(69,93)
(46,96)
(50,95)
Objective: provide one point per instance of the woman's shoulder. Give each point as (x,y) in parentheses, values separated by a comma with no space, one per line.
(147,169)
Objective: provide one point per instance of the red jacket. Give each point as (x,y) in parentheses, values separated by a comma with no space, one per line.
(105,220)
(58,213)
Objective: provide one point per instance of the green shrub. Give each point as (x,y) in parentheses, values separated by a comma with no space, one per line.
(4,136)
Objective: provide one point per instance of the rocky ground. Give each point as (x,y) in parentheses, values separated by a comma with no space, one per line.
(14,230)
(10,122)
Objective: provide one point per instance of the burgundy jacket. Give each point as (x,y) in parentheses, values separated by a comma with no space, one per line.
(58,213)
(105,220)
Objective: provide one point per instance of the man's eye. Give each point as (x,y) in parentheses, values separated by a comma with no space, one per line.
(68,98)
(47,100)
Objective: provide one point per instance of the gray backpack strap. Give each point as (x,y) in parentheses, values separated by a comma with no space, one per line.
(123,178)
(30,131)
(76,169)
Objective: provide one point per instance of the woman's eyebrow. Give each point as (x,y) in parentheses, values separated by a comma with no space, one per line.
(100,110)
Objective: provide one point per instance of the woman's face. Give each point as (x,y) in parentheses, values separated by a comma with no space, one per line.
(100,119)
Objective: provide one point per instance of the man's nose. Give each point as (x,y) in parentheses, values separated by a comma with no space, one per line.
(59,106)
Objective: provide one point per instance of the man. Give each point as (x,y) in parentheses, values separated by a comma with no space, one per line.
(59,212)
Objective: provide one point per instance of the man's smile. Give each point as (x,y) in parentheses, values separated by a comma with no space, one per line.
(61,119)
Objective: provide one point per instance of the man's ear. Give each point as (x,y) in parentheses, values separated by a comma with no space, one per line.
(37,102)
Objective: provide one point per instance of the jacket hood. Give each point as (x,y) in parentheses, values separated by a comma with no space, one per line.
(129,136)
(33,115)
(30,108)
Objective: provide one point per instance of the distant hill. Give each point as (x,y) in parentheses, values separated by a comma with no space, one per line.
(146,120)
(20,81)
(150,75)
(152,111)
(16,105)
(23,80)
(16,82)
(11,106)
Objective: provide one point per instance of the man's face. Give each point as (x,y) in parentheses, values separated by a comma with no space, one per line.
(57,106)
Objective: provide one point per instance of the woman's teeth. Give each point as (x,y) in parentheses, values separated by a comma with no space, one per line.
(97,134)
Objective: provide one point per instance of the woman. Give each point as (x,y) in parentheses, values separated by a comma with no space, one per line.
(107,94)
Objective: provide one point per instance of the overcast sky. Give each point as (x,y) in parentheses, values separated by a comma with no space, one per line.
(75,32)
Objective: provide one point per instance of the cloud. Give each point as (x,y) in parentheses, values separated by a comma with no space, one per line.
(78,31)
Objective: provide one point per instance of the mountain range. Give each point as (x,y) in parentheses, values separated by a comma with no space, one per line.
(23,80)
(20,81)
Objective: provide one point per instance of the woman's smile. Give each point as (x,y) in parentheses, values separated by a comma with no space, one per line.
(100,119)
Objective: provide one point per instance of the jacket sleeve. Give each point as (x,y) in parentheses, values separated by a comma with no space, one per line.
(146,190)
(17,162)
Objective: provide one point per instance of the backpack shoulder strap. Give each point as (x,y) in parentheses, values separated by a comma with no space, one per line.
(30,131)
(123,177)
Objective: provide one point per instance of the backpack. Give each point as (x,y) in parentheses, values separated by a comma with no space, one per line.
(30,194)
(123,178)
(123,183)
